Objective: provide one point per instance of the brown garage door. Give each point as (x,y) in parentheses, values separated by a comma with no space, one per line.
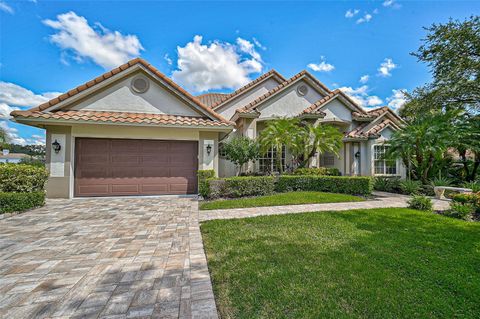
(110,167)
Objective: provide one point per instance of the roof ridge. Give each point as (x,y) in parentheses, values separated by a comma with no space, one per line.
(252,104)
(248,86)
(109,74)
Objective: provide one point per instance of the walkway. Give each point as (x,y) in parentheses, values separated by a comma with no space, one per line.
(380,200)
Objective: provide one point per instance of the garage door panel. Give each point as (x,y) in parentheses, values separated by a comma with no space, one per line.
(153,172)
(160,159)
(94,146)
(109,167)
(125,188)
(125,159)
(93,190)
(94,172)
(86,159)
(155,188)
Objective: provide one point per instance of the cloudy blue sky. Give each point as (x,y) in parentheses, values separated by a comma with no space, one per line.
(363,47)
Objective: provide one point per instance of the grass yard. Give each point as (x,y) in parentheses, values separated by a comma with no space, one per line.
(291,198)
(378,263)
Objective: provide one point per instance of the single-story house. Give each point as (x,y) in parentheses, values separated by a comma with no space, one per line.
(133,131)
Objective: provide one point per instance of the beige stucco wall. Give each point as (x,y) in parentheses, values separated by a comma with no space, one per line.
(336,109)
(228,110)
(59,186)
(289,103)
(62,187)
(119,97)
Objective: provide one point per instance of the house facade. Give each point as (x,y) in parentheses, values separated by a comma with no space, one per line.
(133,131)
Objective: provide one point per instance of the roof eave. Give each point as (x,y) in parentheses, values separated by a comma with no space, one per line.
(39,122)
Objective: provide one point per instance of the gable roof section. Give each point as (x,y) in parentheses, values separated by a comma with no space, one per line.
(251,107)
(249,86)
(363,131)
(210,99)
(92,86)
(318,105)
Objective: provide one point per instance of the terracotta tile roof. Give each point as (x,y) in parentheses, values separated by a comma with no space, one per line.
(210,99)
(360,132)
(248,86)
(315,106)
(117,70)
(249,108)
(121,117)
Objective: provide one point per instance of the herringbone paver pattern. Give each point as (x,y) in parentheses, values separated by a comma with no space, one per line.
(105,258)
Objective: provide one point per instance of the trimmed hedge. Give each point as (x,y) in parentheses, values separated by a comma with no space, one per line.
(18,202)
(323,171)
(355,185)
(202,176)
(234,187)
(22,178)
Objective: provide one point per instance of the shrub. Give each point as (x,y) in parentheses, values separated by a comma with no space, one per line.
(472,200)
(386,184)
(460,211)
(22,178)
(203,176)
(234,187)
(361,185)
(17,202)
(410,187)
(420,202)
(324,171)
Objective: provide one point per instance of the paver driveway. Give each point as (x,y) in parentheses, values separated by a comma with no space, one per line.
(105,258)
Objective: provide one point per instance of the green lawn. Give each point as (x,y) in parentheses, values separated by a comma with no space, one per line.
(378,263)
(291,198)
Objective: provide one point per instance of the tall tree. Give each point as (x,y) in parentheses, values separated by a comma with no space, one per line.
(452,51)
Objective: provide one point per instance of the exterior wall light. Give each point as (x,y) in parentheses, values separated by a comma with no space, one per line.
(209,149)
(56,146)
(357,154)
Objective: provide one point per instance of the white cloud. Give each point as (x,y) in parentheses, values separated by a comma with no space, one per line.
(36,140)
(104,47)
(167,58)
(323,66)
(259,44)
(391,4)
(12,134)
(366,18)
(361,97)
(14,97)
(386,66)
(351,13)
(5,111)
(397,99)
(364,78)
(216,65)
(5,7)
(248,47)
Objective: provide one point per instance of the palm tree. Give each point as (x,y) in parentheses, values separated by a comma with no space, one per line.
(277,134)
(422,142)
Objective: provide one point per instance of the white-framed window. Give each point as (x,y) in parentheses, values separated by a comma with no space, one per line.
(327,159)
(381,165)
(267,163)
